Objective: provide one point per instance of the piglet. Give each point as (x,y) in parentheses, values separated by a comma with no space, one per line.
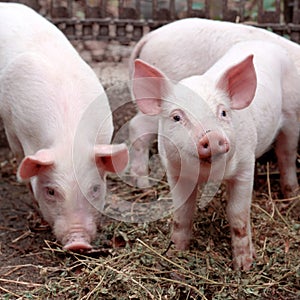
(181,49)
(213,126)
(58,123)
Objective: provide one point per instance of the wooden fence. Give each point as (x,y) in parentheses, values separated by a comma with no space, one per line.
(128,20)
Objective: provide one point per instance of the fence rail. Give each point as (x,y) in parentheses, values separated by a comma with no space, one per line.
(129,20)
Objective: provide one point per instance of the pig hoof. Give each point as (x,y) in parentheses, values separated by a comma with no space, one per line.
(182,246)
(140,182)
(243,262)
(180,243)
(291,192)
(143,182)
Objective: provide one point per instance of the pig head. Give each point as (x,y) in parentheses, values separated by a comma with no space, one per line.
(189,124)
(70,192)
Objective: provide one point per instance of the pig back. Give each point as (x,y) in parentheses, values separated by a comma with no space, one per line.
(24,30)
(46,89)
(190,46)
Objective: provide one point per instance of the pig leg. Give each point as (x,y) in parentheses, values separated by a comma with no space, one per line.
(184,200)
(142,132)
(238,213)
(286,151)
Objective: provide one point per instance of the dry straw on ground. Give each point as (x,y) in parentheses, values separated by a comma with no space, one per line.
(129,262)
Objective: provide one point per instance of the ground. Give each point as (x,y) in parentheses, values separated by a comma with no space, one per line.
(129,261)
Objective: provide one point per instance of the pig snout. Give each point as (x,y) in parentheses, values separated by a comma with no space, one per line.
(77,241)
(211,145)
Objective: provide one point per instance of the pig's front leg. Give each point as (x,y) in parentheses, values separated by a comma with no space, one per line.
(238,213)
(184,195)
(142,132)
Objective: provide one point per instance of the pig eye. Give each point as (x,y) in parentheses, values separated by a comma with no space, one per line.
(177,115)
(95,191)
(176,118)
(96,188)
(222,112)
(50,192)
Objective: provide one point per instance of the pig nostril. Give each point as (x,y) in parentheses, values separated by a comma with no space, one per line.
(221,143)
(205,146)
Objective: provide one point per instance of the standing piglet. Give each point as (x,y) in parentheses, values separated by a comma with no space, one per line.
(181,49)
(213,126)
(58,123)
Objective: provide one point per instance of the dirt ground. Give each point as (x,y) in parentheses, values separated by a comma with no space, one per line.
(31,261)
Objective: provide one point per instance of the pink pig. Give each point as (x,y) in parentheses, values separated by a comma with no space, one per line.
(213,126)
(181,49)
(58,123)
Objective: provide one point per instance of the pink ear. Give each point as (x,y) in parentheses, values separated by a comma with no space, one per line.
(31,165)
(149,86)
(112,158)
(240,83)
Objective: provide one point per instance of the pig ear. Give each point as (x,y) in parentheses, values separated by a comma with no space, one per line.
(149,87)
(111,158)
(239,82)
(31,165)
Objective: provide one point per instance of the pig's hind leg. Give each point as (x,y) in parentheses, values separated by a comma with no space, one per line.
(142,132)
(286,151)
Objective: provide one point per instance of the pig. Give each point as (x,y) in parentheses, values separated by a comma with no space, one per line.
(213,126)
(181,49)
(58,124)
